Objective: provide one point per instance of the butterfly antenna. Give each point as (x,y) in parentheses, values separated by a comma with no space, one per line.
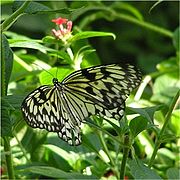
(43,69)
(57,60)
(56,72)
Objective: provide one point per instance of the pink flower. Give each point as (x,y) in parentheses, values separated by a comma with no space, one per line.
(64,31)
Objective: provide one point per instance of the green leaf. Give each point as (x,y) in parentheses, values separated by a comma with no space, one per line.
(57,173)
(170,66)
(10,106)
(32,44)
(59,151)
(14,101)
(88,34)
(116,128)
(86,140)
(88,59)
(32,8)
(66,10)
(6,2)
(140,171)
(137,125)
(94,125)
(7,58)
(175,121)
(16,40)
(125,6)
(52,40)
(79,56)
(14,36)
(165,87)
(37,8)
(63,157)
(167,138)
(32,141)
(60,73)
(6,123)
(62,55)
(176,38)
(167,155)
(173,173)
(147,113)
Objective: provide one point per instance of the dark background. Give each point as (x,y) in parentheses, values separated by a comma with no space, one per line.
(133,43)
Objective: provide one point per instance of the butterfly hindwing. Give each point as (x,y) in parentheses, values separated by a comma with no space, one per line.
(43,108)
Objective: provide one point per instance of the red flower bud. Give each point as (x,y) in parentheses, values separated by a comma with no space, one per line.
(60,20)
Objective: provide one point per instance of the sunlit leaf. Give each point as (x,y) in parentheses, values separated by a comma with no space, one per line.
(57,173)
(46,77)
(89,34)
(140,171)
(137,125)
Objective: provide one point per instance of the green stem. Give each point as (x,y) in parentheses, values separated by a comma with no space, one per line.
(167,119)
(113,14)
(148,78)
(106,132)
(11,19)
(144,24)
(9,164)
(106,149)
(108,154)
(7,147)
(22,148)
(125,157)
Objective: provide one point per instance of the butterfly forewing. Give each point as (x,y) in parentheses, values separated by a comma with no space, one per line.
(99,90)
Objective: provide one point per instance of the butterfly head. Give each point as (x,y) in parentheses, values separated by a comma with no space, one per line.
(55,81)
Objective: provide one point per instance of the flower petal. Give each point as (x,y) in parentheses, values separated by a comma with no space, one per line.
(60,20)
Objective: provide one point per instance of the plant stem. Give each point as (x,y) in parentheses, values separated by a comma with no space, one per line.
(22,148)
(7,147)
(104,131)
(141,88)
(71,55)
(144,24)
(114,14)
(9,164)
(69,51)
(108,154)
(167,119)
(11,19)
(125,157)
(105,148)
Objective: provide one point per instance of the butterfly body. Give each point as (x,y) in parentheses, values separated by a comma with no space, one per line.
(63,106)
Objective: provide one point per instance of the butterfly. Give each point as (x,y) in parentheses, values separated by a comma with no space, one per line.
(63,106)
